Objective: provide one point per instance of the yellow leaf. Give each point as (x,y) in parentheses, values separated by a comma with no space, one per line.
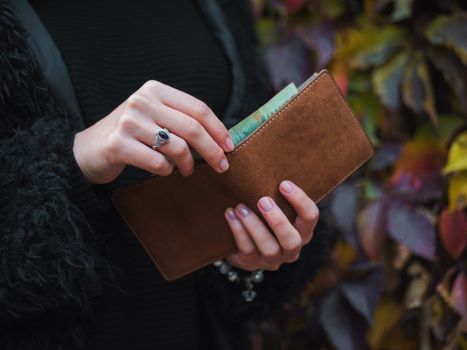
(387,314)
(457,158)
(458,191)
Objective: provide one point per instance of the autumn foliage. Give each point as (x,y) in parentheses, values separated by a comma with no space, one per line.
(397,278)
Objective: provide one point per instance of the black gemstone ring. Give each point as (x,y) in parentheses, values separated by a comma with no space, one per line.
(161,136)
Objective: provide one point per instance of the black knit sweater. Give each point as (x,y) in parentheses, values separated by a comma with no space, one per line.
(55,267)
(111,48)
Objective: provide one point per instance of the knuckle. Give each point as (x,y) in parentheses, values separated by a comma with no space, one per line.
(294,258)
(271,252)
(194,128)
(313,215)
(127,122)
(293,243)
(115,145)
(202,109)
(215,154)
(135,102)
(180,149)
(277,222)
(152,85)
(161,167)
(308,239)
(248,250)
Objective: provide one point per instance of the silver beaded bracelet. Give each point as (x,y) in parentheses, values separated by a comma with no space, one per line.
(255,277)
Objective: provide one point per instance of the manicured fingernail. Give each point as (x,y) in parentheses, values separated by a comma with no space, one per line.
(265,203)
(229,143)
(243,210)
(231,214)
(223,164)
(287,186)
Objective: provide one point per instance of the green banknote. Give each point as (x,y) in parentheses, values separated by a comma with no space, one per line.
(244,128)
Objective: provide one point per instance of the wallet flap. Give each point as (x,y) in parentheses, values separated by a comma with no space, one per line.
(314,141)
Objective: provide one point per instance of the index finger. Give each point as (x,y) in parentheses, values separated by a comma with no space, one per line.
(193,107)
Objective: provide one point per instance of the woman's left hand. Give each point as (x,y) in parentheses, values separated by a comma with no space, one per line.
(259,248)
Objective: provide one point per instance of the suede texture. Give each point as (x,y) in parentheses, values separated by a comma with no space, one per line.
(51,266)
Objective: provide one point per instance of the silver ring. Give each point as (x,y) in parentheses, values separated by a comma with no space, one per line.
(161,136)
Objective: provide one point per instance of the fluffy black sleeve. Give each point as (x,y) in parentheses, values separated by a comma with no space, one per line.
(49,269)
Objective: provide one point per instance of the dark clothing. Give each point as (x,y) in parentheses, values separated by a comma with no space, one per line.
(111,48)
(60,239)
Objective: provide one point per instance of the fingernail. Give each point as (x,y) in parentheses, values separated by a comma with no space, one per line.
(229,143)
(287,186)
(223,164)
(265,203)
(231,214)
(243,210)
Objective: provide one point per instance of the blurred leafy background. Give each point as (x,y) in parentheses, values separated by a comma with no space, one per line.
(397,278)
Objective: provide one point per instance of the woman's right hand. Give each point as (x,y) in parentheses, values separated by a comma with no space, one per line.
(126,135)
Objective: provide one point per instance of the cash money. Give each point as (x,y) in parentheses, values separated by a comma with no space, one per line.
(244,128)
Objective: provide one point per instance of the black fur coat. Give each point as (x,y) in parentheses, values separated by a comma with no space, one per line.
(50,268)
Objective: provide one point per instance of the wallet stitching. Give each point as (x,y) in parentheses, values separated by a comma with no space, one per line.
(269,121)
(257,132)
(251,137)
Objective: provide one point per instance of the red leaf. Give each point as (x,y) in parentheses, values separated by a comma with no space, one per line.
(418,170)
(453,231)
(370,232)
(293,6)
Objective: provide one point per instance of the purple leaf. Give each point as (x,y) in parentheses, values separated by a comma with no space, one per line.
(344,210)
(412,229)
(385,156)
(344,328)
(459,297)
(364,294)
(319,39)
(287,62)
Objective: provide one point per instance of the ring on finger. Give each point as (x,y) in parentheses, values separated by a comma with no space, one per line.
(161,136)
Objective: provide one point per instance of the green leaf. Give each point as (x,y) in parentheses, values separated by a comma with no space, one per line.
(454,73)
(333,8)
(450,31)
(369,109)
(402,9)
(417,91)
(268,31)
(387,80)
(370,46)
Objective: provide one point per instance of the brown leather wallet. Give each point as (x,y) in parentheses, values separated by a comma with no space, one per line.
(314,140)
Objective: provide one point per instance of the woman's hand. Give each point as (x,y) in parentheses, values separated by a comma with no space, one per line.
(126,135)
(259,248)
